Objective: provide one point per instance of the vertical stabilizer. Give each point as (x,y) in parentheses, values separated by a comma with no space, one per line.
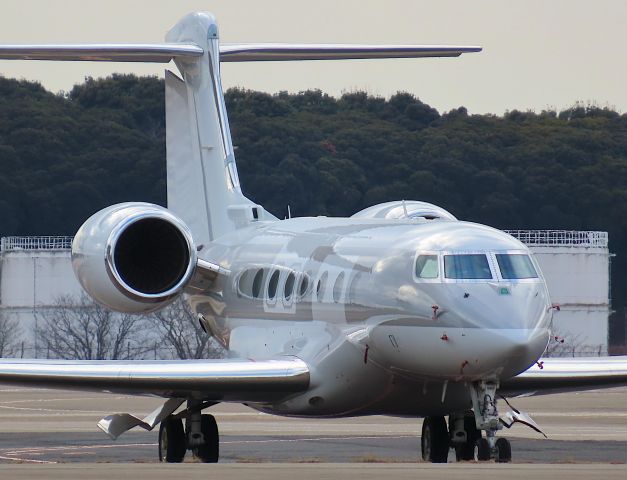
(203,184)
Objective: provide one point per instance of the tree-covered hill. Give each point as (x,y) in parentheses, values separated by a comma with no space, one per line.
(62,157)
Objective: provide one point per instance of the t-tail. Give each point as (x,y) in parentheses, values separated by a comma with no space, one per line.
(203,182)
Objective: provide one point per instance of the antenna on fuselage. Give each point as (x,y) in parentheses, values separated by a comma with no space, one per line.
(289,212)
(405,209)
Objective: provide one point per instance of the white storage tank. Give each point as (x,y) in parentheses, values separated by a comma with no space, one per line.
(576,265)
(35,272)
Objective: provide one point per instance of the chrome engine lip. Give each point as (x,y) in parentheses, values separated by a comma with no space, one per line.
(115,276)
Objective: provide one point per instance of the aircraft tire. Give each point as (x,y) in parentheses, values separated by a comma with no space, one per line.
(210,451)
(434,440)
(465,452)
(482,450)
(504,449)
(172,443)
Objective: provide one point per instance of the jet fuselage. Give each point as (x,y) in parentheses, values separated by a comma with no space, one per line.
(422,306)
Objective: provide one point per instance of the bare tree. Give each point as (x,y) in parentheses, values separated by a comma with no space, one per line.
(178,329)
(9,335)
(571,345)
(82,330)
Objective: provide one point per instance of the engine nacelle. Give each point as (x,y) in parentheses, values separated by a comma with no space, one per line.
(134,257)
(405,209)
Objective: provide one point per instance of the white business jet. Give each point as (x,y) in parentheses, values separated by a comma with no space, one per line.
(400,309)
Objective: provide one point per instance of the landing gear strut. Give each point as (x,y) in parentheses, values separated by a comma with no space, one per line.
(200,435)
(464,435)
(483,395)
(208,450)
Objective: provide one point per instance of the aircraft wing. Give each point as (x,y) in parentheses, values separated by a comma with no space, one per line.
(209,380)
(557,375)
(164,52)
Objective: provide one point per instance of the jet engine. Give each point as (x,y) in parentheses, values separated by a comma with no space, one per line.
(405,209)
(134,257)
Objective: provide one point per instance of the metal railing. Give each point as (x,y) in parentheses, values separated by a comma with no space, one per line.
(11,244)
(562,238)
(566,238)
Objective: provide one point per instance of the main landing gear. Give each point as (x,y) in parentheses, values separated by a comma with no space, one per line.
(464,431)
(200,435)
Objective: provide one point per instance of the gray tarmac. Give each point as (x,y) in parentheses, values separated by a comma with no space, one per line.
(53,434)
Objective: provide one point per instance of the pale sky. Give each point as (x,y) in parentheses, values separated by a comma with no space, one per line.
(537,54)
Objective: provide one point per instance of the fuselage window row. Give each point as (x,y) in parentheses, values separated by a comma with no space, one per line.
(272,284)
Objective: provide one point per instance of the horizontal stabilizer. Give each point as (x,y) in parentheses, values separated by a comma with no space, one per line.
(250,52)
(255,52)
(159,53)
(219,380)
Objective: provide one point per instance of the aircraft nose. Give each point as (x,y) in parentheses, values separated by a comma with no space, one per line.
(480,330)
(520,348)
(515,326)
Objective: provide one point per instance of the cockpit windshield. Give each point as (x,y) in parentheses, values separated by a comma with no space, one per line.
(467,267)
(516,266)
(427,266)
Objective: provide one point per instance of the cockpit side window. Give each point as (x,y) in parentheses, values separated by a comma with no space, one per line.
(516,266)
(427,266)
(467,267)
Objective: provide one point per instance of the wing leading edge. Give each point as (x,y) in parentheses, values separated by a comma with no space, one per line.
(557,375)
(256,52)
(212,380)
(141,52)
(250,52)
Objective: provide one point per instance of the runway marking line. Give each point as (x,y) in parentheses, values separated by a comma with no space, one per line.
(71,399)
(34,450)
(338,437)
(52,410)
(12,454)
(26,460)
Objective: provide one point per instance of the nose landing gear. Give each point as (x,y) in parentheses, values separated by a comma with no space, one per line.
(483,395)
(464,431)
(464,435)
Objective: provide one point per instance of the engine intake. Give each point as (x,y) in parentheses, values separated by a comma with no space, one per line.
(134,257)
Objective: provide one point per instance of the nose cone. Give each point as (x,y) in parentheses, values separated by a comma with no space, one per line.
(457,354)
(516,349)
(484,331)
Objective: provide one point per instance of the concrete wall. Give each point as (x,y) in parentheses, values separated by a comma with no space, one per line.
(32,281)
(578,280)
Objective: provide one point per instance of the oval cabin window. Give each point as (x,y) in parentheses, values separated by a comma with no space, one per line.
(321,286)
(304,285)
(337,288)
(257,283)
(289,287)
(273,284)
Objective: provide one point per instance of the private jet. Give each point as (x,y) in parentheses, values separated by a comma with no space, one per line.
(399,310)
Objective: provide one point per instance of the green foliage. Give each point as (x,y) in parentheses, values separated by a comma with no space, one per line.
(64,157)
